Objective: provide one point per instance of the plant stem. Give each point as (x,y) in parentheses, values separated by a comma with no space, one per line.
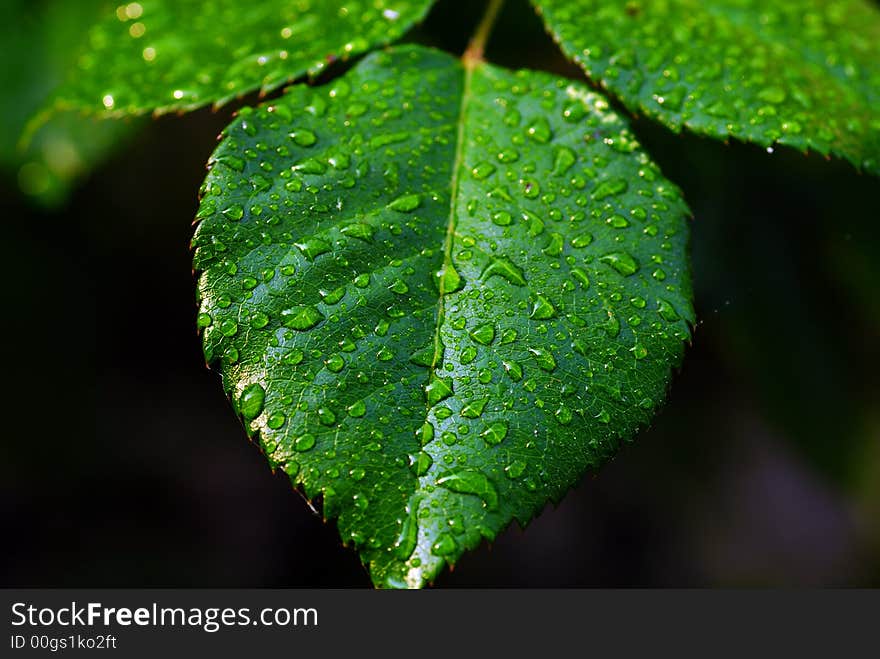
(474,53)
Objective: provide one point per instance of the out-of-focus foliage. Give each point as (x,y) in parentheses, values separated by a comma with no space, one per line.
(37,45)
(798,72)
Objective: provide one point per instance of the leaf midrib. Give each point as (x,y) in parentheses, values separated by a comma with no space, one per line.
(451,222)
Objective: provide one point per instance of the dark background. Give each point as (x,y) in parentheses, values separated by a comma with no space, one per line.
(123,464)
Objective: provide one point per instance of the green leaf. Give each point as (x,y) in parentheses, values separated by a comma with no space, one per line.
(444,308)
(165,55)
(39,38)
(803,73)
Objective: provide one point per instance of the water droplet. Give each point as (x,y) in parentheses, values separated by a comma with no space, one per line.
(580,276)
(447,279)
(565,158)
(250,403)
(610,187)
(539,130)
(259,320)
(384,354)
(310,166)
(582,240)
(563,415)
(358,230)
(639,351)
(313,247)
(384,139)
(234,212)
(425,433)
(474,409)
(409,532)
(438,389)
(303,137)
(293,357)
(326,416)
(275,420)
(332,297)
(471,482)
(302,317)
(535,224)
(542,308)
(506,269)
(483,170)
(304,442)
(612,325)
(508,336)
(515,469)
(494,433)
(484,333)
(228,327)
(513,369)
(621,262)
(398,286)
(468,355)
(554,247)
(667,311)
(543,358)
(357,409)
(406,204)
(204,320)
(444,545)
(502,218)
(421,463)
(772,95)
(530,188)
(335,363)
(424,356)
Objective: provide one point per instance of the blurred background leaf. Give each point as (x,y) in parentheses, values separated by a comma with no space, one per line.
(37,45)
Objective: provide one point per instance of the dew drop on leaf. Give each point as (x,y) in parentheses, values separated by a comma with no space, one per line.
(301,317)
(445,545)
(622,262)
(543,358)
(250,403)
(494,433)
(483,333)
(406,203)
(471,482)
(304,442)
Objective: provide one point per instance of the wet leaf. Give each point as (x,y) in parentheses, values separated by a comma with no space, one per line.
(165,55)
(802,73)
(457,295)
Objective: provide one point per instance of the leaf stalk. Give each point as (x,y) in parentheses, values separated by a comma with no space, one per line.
(473,54)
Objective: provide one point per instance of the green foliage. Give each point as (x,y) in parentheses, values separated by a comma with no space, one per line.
(796,72)
(438,291)
(165,55)
(438,294)
(38,39)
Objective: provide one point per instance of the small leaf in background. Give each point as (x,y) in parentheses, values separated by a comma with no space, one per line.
(438,294)
(166,55)
(798,72)
(39,38)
